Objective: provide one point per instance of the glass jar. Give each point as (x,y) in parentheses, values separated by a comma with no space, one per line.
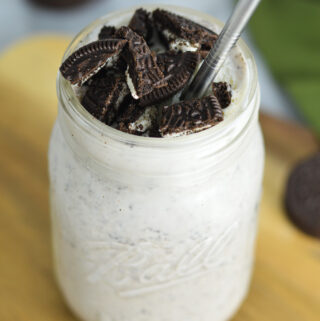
(151,229)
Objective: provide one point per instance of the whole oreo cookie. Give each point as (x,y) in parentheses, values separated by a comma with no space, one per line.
(177,69)
(190,116)
(88,60)
(302,198)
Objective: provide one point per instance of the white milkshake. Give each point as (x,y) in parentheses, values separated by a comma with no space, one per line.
(149,229)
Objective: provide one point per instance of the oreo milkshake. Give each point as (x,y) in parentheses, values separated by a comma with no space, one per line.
(154,200)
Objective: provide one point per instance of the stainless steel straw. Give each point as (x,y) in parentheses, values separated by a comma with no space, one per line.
(218,53)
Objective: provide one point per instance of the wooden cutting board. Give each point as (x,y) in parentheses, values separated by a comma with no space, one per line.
(286,278)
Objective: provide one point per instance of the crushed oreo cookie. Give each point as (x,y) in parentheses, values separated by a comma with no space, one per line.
(127,85)
(204,53)
(88,60)
(130,115)
(222,91)
(190,116)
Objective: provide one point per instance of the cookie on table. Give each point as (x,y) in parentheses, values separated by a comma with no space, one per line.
(302,196)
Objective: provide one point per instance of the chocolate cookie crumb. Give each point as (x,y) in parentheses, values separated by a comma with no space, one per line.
(104,95)
(204,53)
(154,129)
(184,28)
(126,77)
(222,92)
(129,114)
(190,116)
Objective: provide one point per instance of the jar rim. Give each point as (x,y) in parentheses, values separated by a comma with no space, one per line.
(92,126)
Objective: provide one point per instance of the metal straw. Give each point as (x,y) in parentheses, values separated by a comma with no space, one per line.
(217,55)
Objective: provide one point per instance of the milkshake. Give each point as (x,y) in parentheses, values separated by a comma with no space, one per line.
(154,215)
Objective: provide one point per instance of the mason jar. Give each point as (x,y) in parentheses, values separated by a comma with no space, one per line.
(151,229)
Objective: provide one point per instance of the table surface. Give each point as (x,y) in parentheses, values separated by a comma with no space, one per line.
(286,278)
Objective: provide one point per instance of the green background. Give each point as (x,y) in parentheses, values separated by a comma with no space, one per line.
(288,34)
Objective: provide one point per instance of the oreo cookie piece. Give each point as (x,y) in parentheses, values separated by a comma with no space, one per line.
(89,59)
(182,33)
(143,74)
(131,113)
(177,69)
(107,32)
(222,91)
(104,96)
(190,116)
(302,198)
(172,62)
(141,23)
